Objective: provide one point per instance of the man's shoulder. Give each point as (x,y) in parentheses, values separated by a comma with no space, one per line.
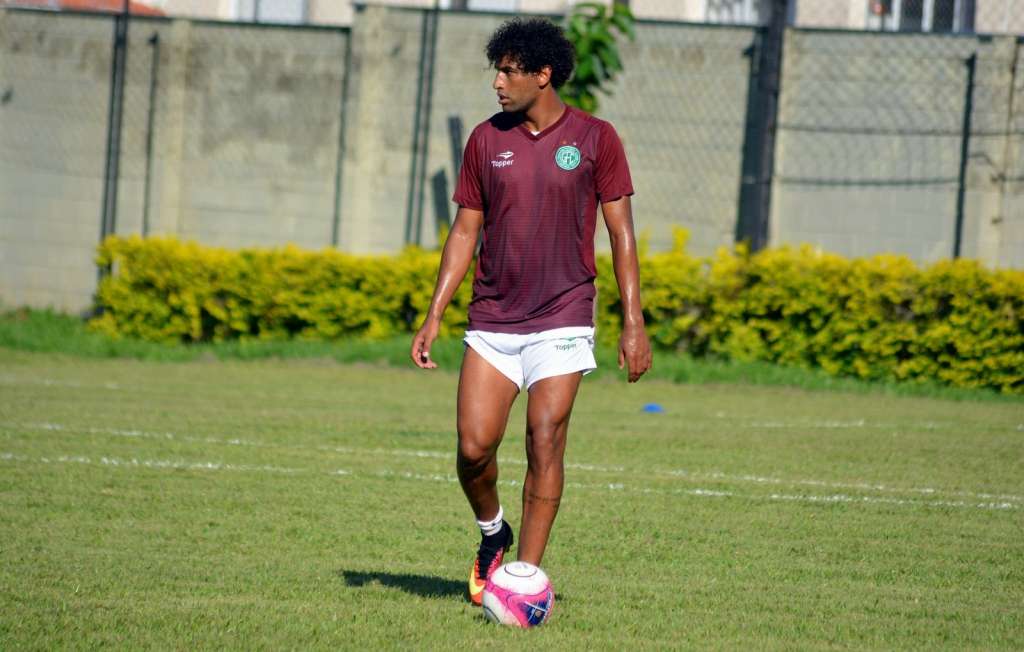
(591,121)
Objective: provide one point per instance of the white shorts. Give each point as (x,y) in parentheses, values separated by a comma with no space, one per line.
(525,359)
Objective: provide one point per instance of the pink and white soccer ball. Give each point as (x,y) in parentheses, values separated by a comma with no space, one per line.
(518,594)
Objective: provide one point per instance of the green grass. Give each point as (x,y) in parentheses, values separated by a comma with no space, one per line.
(307,504)
(45,331)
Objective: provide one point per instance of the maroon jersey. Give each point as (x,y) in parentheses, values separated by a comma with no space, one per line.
(539,195)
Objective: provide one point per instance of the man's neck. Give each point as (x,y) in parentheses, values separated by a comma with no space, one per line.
(545,112)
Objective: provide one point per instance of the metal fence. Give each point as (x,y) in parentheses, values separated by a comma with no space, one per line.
(860,141)
(902,137)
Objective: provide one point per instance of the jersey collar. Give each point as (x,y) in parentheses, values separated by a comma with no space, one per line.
(552,127)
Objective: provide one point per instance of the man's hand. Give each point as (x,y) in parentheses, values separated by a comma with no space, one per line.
(634,351)
(421,343)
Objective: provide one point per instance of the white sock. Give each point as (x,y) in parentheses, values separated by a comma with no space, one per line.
(492,526)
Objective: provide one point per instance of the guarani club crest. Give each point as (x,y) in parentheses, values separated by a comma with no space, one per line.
(567,157)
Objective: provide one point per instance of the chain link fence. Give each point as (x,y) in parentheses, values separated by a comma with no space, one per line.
(681,110)
(902,138)
(888,137)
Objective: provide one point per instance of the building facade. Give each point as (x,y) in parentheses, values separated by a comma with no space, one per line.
(938,16)
(929,16)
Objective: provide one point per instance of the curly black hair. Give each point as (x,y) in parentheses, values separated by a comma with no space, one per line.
(532,44)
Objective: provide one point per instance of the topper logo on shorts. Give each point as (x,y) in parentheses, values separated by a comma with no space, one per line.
(506,160)
(570,344)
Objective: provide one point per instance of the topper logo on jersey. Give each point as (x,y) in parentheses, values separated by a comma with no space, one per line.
(567,157)
(506,160)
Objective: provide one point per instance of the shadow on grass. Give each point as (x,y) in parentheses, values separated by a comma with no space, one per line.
(422,585)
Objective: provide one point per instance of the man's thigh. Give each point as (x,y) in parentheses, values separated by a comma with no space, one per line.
(485,400)
(551,400)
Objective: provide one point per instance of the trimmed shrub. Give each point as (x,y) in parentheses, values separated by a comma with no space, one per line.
(874,318)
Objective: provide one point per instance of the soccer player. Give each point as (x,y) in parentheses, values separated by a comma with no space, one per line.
(531,179)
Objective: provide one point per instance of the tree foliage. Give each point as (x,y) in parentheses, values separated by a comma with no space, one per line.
(594,30)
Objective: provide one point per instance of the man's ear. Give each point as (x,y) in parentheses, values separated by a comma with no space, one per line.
(544,76)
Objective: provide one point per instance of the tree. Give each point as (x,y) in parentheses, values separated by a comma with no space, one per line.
(594,30)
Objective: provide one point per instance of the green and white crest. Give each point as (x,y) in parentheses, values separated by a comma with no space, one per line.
(567,157)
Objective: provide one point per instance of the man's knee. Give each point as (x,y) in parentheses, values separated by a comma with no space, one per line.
(474,450)
(545,445)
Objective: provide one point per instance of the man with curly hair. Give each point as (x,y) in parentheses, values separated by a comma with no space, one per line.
(531,180)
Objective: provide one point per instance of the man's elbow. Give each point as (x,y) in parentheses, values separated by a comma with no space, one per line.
(620,240)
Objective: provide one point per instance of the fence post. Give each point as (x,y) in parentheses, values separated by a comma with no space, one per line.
(340,161)
(154,73)
(965,143)
(119,61)
(759,139)
(421,126)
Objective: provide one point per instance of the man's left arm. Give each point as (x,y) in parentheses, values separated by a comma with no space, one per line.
(634,348)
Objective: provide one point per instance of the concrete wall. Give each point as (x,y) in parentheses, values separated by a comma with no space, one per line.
(249,124)
(378,127)
(259,136)
(868,146)
(680,112)
(54,76)
(1010,251)
(246,127)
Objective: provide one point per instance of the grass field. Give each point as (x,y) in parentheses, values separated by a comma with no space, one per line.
(306,503)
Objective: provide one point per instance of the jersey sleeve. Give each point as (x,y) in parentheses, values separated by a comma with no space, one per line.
(611,175)
(469,191)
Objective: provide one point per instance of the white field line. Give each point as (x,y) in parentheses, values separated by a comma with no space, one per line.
(864,486)
(347,450)
(710,493)
(674,473)
(447,478)
(105,460)
(48,382)
(827,424)
(451,456)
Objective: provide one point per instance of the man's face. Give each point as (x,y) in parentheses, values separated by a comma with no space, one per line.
(517,90)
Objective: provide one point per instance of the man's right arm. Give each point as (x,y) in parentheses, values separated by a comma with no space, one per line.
(455,261)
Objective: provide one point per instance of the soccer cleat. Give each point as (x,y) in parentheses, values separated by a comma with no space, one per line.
(488,559)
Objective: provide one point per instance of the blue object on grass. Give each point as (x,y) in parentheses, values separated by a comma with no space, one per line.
(653,408)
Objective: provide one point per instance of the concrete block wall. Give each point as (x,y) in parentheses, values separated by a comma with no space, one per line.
(246,128)
(260,135)
(868,145)
(1010,251)
(379,128)
(680,111)
(165,164)
(462,88)
(54,85)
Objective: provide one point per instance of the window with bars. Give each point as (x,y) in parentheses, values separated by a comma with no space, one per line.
(735,12)
(924,15)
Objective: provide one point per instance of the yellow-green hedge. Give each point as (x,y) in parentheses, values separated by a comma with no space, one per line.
(881,318)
